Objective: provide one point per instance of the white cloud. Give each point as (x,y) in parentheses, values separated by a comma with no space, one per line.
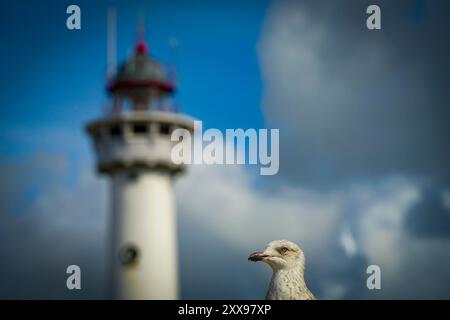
(226,200)
(348,242)
(230,208)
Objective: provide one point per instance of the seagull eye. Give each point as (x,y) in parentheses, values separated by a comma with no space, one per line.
(284,250)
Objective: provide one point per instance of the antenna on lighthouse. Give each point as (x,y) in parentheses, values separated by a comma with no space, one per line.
(141,44)
(141,26)
(173,68)
(111,53)
(173,44)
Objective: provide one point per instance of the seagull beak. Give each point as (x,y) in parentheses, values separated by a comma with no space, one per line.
(257,256)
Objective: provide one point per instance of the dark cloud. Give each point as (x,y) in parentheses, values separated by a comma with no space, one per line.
(353,103)
(430,217)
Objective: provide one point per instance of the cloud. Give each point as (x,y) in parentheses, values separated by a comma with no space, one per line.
(227,199)
(224,213)
(412,267)
(222,220)
(348,243)
(47,225)
(228,210)
(430,218)
(364,115)
(353,103)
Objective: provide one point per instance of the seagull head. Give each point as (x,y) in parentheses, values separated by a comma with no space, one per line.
(280,254)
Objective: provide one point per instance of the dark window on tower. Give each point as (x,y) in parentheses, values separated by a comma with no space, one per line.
(115,131)
(97,136)
(164,128)
(140,128)
(133,176)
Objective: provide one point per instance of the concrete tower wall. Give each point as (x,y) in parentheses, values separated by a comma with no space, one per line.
(144,220)
(143,246)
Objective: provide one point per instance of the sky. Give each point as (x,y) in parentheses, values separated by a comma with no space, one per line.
(364,129)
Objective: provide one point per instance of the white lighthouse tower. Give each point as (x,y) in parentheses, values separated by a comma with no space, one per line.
(133,147)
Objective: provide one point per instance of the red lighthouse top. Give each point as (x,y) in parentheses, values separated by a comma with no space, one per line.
(141,72)
(142,47)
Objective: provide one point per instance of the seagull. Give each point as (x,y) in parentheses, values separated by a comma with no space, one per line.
(288,265)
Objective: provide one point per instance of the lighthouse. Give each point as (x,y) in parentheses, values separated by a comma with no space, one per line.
(132,143)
